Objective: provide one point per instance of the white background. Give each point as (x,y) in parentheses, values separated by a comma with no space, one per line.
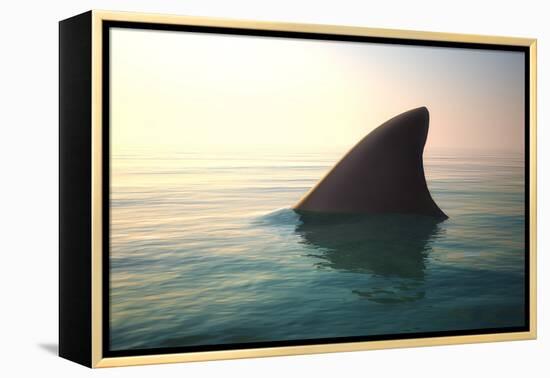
(29,189)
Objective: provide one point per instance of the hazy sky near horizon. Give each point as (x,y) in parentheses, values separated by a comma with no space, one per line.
(205,92)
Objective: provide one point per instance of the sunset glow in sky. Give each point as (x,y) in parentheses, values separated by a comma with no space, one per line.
(206,91)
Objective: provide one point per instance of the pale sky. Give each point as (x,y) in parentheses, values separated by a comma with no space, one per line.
(209,91)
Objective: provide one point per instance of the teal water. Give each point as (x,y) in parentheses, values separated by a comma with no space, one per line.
(205,250)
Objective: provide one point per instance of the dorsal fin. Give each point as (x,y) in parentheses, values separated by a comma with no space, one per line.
(383,173)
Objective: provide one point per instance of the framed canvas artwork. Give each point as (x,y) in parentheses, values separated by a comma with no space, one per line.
(236,189)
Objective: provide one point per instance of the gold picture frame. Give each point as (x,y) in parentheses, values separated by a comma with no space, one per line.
(82,43)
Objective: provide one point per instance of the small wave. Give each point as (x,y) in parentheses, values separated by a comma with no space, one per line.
(279,217)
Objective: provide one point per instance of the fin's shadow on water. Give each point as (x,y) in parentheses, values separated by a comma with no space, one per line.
(391,248)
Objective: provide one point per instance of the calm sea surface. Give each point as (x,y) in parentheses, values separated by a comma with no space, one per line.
(205,250)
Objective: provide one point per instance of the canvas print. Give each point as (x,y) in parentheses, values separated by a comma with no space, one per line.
(270,190)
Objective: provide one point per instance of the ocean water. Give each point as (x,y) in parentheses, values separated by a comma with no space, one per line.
(205,250)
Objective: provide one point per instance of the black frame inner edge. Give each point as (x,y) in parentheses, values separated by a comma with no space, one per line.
(106,173)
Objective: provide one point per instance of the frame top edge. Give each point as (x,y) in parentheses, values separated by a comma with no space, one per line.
(159,18)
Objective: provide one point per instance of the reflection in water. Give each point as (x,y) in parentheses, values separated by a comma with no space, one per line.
(390,247)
